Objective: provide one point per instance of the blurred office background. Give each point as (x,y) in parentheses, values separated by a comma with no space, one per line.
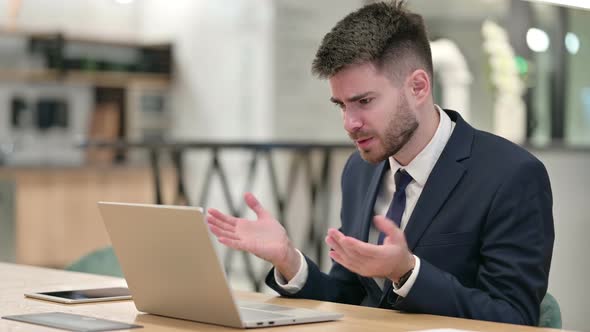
(184,86)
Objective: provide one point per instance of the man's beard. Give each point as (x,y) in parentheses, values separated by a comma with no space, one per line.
(398,132)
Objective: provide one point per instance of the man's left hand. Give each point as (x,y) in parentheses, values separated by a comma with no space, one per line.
(390,260)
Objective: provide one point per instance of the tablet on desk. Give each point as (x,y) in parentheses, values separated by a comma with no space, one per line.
(84,295)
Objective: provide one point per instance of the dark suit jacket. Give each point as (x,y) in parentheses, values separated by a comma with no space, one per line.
(482,227)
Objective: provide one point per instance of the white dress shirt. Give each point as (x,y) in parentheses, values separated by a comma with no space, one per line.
(419,169)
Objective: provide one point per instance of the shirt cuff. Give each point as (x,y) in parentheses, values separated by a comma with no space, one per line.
(405,289)
(298,281)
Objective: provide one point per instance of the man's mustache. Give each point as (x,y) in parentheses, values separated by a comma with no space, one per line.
(359,135)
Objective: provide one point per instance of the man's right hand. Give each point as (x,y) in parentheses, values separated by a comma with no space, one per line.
(264,237)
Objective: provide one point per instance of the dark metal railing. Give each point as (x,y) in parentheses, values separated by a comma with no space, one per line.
(301,155)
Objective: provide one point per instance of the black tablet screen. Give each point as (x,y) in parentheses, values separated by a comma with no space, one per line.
(81,294)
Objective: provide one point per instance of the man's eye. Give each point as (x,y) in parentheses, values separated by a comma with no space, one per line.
(365,101)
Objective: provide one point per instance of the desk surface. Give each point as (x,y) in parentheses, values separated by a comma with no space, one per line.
(15,280)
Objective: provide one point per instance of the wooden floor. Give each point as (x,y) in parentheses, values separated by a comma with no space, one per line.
(56,218)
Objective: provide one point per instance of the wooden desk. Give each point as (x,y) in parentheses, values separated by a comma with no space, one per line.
(15,280)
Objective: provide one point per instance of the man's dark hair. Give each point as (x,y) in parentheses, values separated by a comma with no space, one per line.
(385,34)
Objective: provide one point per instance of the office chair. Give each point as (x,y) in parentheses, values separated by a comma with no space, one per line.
(550,312)
(102,261)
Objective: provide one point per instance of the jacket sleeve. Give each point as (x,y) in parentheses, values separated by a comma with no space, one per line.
(340,285)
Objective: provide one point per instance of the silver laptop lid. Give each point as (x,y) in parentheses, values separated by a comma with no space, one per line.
(169,261)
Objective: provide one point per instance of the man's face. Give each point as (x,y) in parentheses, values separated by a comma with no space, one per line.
(376,113)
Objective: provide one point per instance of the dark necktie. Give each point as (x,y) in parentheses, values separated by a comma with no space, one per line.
(396,209)
(398,203)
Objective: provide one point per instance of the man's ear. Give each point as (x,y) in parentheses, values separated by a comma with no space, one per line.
(418,86)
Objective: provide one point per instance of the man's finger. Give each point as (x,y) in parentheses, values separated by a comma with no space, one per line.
(345,257)
(360,249)
(220,233)
(331,241)
(211,220)
(344,261)
(387,226)
(255,205)
(335,240)
(339,258)
(348,247)
(223,217)
(336,257)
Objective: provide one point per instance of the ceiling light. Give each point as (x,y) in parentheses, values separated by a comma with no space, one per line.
(537,40)
(572,43)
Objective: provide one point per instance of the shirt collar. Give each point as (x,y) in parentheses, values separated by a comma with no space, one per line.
(421,166)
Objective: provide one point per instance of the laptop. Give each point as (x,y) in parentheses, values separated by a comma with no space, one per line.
(172,269)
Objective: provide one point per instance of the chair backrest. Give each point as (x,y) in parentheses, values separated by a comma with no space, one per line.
(550,312)
(7,219)
(102,261)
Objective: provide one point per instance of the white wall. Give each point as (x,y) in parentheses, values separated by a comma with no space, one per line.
(104,18)
(570,267)
(223,77)
(223,62)
(302,108)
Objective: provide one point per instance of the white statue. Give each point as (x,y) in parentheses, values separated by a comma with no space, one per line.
(509,107)
(452,72)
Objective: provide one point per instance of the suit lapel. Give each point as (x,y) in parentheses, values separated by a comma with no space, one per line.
(367,209)
(442,180)
(367,212)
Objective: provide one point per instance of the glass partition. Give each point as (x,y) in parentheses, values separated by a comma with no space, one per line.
(548,74)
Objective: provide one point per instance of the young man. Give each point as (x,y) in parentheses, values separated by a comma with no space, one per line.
(461,219)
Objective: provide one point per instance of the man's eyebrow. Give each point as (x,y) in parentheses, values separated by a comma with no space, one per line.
(335,100)
(351,99)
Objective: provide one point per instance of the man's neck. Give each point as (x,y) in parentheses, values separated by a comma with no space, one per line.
(420,139)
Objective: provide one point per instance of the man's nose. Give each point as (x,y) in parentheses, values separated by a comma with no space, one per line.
(352,122)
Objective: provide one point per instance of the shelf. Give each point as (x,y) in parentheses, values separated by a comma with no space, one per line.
(100,79)
(151,65)
(50,35)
